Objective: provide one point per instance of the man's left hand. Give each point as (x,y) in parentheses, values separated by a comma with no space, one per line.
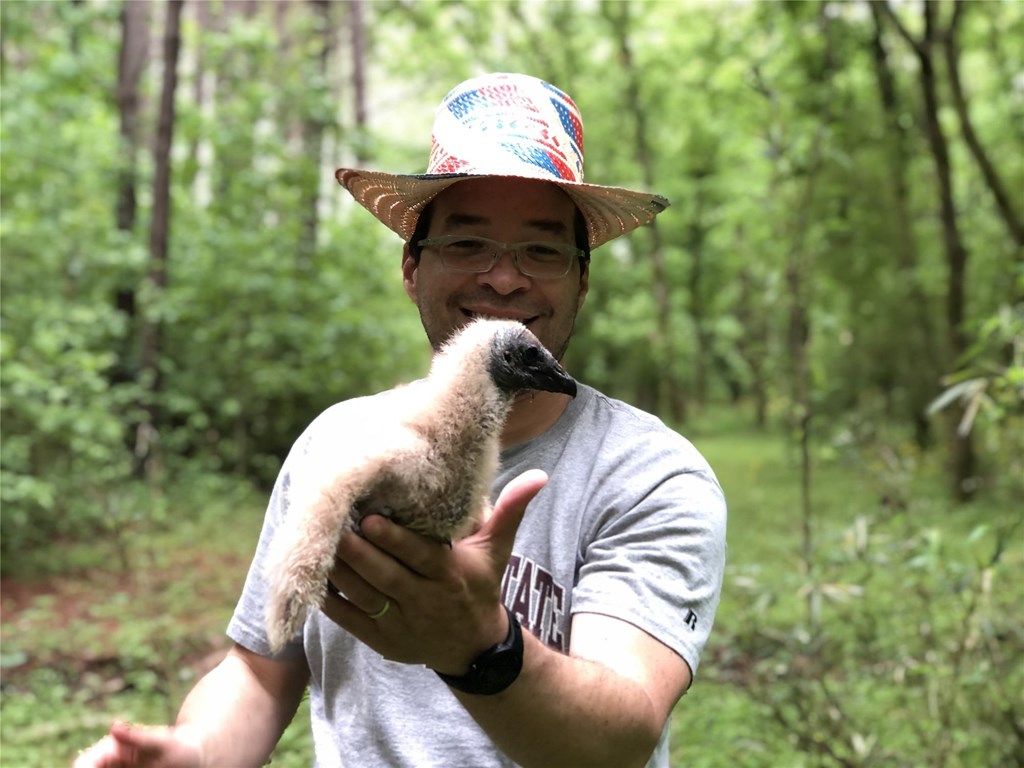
(434,605)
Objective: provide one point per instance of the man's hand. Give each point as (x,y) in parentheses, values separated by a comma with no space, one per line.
(141,746)
(443,604)
(232,717)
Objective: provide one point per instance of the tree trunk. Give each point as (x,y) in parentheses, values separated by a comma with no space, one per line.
(203,23)
(130,66)
(74,40)
(753,342)
(799,276)
(1006,64)
(672,393)
(923,386)
(313,140)
(962,457)
(995,184)
(695,246)
(358,31)
(147,456)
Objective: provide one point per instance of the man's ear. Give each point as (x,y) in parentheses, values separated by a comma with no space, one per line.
(409,273)
(584,285)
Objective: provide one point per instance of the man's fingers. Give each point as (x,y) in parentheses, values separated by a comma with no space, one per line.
(129,745)
(106,753)
(143,737)
(355,588)
(388,554)
(118,749)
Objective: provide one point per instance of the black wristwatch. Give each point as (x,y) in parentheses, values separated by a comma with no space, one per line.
(495,669)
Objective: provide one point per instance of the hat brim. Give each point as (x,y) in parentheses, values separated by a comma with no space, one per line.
(397,200)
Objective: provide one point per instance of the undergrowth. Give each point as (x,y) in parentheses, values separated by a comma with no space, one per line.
(897,643)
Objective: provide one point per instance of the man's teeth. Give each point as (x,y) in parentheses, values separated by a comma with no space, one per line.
(526,321)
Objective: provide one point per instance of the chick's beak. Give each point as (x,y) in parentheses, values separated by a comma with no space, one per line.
(550,376)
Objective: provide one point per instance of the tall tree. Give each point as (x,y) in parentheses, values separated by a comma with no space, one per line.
(672,392)
(1004,203)
(928,368)
(159,234)
(697,247)
(753,340)
(962,456)
(357,26)
(313,128)
(200,78)
(799,143)
(130,66)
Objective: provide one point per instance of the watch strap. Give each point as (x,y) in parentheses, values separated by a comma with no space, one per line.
(495,669)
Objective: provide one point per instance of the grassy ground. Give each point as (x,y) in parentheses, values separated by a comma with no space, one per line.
(912,628)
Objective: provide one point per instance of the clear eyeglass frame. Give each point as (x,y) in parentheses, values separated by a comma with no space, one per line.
(538,259)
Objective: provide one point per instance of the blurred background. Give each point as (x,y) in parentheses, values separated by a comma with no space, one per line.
(832,310)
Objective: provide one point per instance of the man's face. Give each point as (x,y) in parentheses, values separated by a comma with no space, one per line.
(511,211)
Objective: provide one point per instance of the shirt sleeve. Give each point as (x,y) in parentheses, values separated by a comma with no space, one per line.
(656,553)
(247,627)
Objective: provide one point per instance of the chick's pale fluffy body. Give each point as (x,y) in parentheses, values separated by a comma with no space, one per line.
(426,458)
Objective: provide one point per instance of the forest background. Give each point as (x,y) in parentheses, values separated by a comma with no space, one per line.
(832,309)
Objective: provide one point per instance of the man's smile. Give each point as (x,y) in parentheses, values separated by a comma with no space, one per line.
(474,311)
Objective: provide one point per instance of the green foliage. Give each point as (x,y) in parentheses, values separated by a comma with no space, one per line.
(936,654)
(765,124)
(896,645)
(62,410)
(259,333)
(989,388)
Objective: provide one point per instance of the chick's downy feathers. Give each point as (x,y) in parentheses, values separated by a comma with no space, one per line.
(426,458)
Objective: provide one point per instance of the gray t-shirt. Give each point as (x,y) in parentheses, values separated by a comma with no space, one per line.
(630,525)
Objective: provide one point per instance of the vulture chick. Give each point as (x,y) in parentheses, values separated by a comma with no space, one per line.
(425,456)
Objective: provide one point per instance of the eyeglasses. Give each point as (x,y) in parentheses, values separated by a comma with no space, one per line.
(544,261)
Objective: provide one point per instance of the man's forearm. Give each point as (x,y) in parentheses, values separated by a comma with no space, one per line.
(238,711)
(565,711)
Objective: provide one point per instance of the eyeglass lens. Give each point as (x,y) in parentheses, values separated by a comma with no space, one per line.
(479,254)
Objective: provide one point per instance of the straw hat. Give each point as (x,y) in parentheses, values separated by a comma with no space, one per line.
(503,125)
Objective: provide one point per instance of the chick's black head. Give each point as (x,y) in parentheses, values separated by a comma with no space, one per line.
(520,362)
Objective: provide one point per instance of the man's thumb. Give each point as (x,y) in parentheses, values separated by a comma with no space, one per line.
(511,505)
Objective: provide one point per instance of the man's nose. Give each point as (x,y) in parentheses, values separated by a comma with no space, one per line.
(504,277)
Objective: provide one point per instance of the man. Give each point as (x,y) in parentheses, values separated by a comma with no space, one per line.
(606,544)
